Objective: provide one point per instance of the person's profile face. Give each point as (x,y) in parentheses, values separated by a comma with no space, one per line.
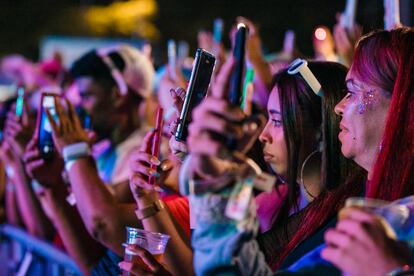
(364,111)
(98,103)
(272,137)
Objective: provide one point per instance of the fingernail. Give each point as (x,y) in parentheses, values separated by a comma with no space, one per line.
(155,161)
(157,189)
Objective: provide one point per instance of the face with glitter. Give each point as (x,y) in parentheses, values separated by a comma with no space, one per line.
(364,111)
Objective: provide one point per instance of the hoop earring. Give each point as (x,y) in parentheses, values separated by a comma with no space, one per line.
(301,173)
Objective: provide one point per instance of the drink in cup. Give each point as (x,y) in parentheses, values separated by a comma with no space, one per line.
(391,215)
(154,243)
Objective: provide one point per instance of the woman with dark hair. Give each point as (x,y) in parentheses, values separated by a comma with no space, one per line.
(300,144)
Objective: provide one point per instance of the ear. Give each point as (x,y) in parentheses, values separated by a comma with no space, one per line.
(118,100)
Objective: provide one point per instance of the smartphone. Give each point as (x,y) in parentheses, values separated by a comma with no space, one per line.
(44,128)
(20,102)
(197,90)
(156,141)
(218,30)
(236,80)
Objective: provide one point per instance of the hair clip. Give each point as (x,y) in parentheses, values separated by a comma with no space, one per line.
(301,66)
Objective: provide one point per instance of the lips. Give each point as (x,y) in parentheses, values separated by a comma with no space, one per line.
(267,156)
(342,127)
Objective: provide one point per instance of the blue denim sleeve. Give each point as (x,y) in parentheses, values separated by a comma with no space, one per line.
(223,246)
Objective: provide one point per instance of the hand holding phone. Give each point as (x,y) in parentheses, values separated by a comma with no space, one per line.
(197,90)
(44,127)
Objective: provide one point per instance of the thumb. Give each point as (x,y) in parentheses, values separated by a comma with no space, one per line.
(92,136)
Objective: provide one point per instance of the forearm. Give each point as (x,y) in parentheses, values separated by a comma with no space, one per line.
(93,199)
(12,212)
(30,209)
(78,243)
(178,256)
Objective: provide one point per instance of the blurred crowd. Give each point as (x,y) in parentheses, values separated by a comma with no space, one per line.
(337,160)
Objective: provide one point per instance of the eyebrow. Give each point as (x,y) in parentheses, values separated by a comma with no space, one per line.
(274,112)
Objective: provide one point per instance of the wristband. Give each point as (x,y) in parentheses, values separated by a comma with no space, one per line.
(151,210)
(76,151)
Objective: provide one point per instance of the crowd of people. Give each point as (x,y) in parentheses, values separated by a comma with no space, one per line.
(353,137)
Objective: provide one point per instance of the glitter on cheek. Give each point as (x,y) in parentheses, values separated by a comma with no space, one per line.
(367,102)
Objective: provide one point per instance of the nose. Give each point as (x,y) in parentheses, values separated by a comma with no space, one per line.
(265,136)
(339,108)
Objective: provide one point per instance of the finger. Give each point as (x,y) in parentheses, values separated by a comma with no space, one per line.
(145,256)
(221,85)
(132,268)
(203,144)
(339,239)
(139,167)
(219,107)
(335,256)
(141,156)
(360,215)
(250,26)
(147,141)
(32,166)
(54,124)
(25,114)
(141,182)
(32,144)
(31,155)
(64,120)
(358,230)
(178,96)
(92,136)
(166,165)
(211,122)
(11,116)
(73,116)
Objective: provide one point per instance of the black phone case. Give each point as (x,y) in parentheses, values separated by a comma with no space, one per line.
(197,90)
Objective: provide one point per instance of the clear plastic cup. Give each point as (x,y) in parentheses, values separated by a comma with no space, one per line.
(154,243)
(393,216)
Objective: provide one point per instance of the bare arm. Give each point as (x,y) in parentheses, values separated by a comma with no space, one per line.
(80,245)
(24,197)
(103,216)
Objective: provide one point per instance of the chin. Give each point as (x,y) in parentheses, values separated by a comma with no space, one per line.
(346,152)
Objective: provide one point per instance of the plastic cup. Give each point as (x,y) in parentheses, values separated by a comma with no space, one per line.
(154,243)
(392,216)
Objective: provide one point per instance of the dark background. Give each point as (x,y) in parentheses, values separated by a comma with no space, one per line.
(24,22)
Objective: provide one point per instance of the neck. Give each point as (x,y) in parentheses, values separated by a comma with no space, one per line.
(367,162)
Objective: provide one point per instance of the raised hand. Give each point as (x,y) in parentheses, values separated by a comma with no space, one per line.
(68,128)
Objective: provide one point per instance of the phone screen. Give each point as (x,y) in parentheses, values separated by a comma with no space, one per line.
(197,90)
(20,101)
(45,129)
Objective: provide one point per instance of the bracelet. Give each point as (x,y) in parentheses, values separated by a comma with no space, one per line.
(76,151)
(151,210)
(403,270)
